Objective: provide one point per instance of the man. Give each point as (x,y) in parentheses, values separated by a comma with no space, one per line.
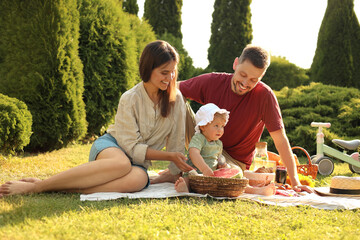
(252,105)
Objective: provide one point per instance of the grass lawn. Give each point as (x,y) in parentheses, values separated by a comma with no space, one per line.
(64,216)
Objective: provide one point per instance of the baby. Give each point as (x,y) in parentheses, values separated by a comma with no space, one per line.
(205,148)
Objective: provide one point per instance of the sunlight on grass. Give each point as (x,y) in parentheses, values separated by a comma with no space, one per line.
(64,216)
(43,165)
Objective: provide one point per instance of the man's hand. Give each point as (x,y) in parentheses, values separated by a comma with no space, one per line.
(300,188)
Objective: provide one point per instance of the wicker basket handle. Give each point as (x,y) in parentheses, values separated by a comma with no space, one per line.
(306,153)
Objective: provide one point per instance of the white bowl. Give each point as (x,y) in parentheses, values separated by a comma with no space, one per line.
(259,179)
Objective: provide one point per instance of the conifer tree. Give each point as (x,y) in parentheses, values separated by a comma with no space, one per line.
(131,6)
(231,31)
(337,56)
(164,16)
(109,47)
(41,67)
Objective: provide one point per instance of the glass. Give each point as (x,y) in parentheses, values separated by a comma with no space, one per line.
(261,158)
(281,174)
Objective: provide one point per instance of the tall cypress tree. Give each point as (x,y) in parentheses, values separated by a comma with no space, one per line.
(337,56)
(131,6)
(109,47)
(41,66)
(231,31)
(164,16)
(108,51)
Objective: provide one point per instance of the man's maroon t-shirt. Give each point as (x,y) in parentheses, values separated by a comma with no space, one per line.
(248,113)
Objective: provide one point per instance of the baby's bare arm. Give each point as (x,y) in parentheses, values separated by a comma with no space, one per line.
(199,162)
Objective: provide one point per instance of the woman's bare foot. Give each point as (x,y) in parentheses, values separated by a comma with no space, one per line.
(181,185)
(267,190)
(16,187)
(30,180)
(165,177)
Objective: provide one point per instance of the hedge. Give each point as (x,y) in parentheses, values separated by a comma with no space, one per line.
(320,103)
(15,125)
(282,73)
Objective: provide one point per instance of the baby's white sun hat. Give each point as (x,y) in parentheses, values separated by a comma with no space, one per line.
(206,113)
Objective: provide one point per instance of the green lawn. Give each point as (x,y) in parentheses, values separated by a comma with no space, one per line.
(64,216)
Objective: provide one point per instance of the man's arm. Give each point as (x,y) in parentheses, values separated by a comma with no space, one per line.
(283,147)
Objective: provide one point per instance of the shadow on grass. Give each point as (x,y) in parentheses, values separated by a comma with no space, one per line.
(47,205)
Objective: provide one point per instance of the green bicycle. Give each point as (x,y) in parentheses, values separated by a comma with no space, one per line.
(324,152)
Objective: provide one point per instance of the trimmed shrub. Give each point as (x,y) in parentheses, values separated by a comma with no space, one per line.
(109,51)
(41,66)
(320,103)
(282,73)
(15,125)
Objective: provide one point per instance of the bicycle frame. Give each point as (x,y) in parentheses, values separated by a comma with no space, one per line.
(323,149)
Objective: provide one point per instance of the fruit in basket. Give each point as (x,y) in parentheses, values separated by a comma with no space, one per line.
(228,173)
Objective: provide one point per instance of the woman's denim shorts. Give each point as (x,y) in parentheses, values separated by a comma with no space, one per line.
(107,141)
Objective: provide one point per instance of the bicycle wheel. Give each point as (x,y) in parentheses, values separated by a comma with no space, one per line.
(354,169)
(326,166)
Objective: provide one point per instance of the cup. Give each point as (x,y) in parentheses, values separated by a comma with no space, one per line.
(280,175)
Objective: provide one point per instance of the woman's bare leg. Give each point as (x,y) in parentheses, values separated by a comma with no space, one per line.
(30,179)
(111,164)
(134,181)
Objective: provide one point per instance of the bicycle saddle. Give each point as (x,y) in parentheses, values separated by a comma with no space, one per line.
(350,145)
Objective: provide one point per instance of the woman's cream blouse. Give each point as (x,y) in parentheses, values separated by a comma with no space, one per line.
(139,125)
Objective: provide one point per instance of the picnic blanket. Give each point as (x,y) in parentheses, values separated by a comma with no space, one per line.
(167,190)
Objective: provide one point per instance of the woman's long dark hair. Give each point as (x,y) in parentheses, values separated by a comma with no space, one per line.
(154,55)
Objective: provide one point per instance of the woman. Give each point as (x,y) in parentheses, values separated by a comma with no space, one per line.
(150,116)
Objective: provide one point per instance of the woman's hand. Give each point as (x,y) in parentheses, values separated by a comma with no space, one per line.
(180,161)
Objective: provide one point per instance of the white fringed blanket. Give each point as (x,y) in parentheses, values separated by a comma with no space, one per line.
(166,190)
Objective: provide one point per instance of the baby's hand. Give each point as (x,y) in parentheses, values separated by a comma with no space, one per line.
(208,172)
(221,166)
(221,162)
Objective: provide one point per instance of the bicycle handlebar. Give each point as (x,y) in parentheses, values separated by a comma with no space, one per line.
(320,124)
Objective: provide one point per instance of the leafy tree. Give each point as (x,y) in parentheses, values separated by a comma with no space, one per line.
(131,6)
(281,73)
(337,56)
(164,16)
(41,67)
(231,31)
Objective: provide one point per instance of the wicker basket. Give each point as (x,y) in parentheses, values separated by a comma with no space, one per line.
(306,169)
(218,187)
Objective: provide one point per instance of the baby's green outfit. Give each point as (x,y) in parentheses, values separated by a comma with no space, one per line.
(210,151)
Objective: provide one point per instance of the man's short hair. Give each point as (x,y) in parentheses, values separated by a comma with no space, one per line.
(258,56)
